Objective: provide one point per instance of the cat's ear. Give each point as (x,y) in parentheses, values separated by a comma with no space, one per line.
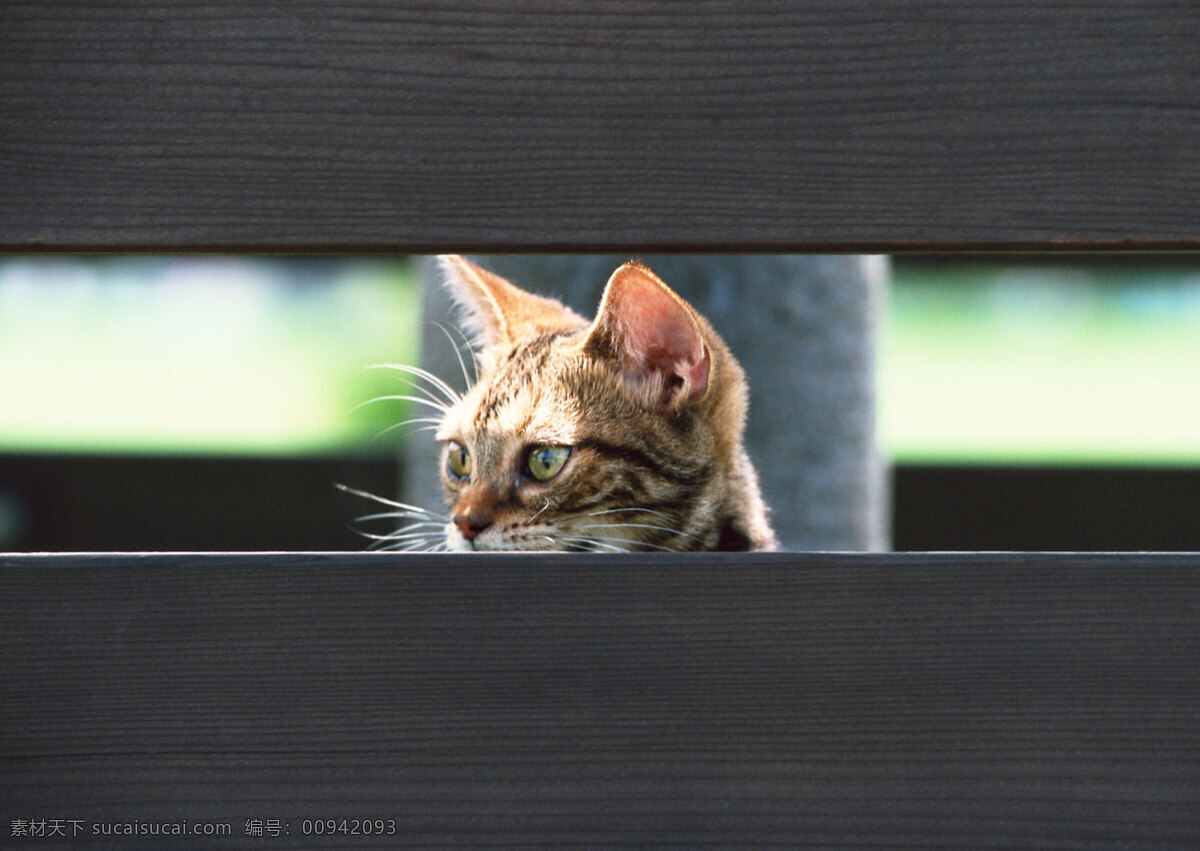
(653,334)
(497,312)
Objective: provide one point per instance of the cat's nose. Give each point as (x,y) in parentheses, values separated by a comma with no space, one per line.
(471,524)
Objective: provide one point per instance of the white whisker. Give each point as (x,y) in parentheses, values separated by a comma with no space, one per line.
(529,522)
(412,509)
(458,354)
(420,524)
(421,527)
(425,532)
(639,526)
(385,542)
(452,395)
(593,542)
(416,549)
(616,510)
(634,543)
(427,545)
(416,400)
(434,423)
(426,393)
(424,539)
(396,539)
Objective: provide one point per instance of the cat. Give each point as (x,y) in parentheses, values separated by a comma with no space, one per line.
(620,434)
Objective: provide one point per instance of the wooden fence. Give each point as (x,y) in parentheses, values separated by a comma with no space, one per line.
(410,126)
(956,701)
(951,701)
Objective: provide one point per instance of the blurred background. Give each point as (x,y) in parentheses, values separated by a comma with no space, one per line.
(153,403)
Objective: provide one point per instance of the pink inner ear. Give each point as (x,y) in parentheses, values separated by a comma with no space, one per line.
(659,335)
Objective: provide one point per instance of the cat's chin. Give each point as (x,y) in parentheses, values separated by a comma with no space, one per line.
(490,542)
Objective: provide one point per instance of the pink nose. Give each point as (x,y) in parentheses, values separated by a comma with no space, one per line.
(471,524)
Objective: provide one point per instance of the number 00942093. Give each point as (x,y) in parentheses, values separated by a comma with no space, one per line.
(348,827)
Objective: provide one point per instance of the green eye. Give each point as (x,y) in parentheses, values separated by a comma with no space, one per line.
(545,461)
(458,460)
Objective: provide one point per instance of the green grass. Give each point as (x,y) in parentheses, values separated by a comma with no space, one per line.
(1042,365)
(137,355)
(1069,363)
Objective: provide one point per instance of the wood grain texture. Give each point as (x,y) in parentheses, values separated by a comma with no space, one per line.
(621,126)
(933,701)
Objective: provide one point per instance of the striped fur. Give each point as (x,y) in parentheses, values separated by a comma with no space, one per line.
(646,398)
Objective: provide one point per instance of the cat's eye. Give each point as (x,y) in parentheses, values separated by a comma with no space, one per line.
(458,460)
(545,461)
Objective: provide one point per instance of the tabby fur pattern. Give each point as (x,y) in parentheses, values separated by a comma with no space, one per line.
(623,434)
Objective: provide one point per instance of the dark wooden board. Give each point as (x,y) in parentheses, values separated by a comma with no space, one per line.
(749,125)
(866,701)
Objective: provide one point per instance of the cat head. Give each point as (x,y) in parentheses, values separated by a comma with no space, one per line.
(621,433)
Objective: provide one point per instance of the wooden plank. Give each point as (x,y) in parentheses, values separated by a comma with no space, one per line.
(750,125)
(867,701)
